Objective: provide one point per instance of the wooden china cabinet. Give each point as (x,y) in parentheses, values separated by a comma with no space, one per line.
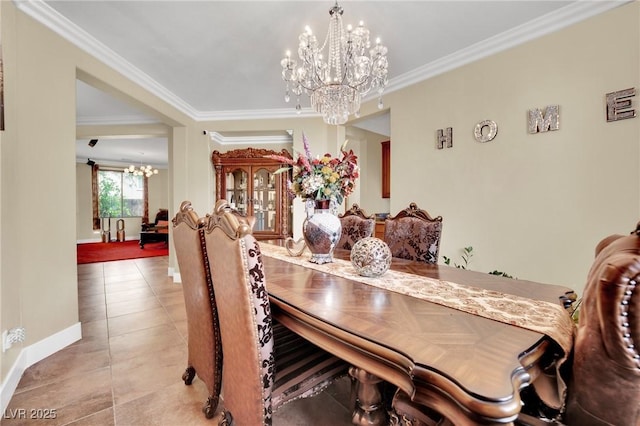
(246,179)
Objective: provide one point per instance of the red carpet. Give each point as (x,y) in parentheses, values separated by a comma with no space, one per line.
(106,252)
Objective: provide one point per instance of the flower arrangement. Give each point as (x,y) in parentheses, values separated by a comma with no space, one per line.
(321,178)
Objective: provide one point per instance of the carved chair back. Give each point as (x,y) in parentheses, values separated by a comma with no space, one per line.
(356,225)
(413,234)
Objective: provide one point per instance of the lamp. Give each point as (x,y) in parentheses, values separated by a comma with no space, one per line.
(147,171)
(337,85)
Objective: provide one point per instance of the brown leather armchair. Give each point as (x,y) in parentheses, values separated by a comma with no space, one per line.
(158,231)
(605,379)
(413,234)
(356,225)
(160,223)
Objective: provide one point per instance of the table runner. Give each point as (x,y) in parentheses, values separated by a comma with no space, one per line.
(541,316)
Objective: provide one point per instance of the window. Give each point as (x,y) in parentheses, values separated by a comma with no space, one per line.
(115,194)
(120,194)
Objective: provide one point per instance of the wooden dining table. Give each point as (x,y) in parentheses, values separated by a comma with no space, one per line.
(464,365)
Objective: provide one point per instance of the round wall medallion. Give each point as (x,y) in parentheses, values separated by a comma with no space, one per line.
(483,135)
(371,257)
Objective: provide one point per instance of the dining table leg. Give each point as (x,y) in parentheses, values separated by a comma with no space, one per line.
(369,409)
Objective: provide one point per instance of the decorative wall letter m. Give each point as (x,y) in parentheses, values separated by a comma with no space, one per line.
(619,105)
(539,123)
(445,139)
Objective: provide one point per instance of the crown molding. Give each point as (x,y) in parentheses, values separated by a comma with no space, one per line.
(102,120)
(250,140)
(117,164)
(551,22)
(52,19)
(256,114)
(543,25)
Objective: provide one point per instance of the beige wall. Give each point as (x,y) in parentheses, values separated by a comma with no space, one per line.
(38,281)
(38,262)
(531,205)
(368,193)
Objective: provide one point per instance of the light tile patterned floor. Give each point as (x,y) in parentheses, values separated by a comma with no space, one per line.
(127,369)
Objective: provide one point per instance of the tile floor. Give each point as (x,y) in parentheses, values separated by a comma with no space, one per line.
(127,368)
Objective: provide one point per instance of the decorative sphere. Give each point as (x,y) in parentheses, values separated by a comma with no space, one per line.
(371,257)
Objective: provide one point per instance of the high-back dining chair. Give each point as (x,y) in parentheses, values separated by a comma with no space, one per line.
(265,365)
(604,387)
(356,225)
(204,346)
(413,234)
(604,378)
(604,375)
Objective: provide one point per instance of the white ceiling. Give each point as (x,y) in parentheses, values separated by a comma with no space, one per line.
(221,59)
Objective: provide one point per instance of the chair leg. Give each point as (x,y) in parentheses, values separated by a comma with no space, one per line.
(210,406)
(188,375)
(226,419)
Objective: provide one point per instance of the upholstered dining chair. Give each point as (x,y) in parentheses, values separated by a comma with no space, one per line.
(604,375)
(203,342)
(356,225)
(604,387)
(265,365)
(413,234)
(604,378)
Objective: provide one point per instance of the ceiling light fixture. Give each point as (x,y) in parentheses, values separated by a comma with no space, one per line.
(351,70)
(147,171)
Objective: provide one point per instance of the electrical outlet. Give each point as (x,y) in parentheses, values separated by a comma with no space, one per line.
(5,341)
(9,337)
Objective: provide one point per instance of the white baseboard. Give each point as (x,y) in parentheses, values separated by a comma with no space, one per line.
(11,381)
(34,353)
(99,239)
(92,240)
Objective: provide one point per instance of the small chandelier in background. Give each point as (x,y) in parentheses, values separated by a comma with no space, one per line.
(352,70)
(147,171)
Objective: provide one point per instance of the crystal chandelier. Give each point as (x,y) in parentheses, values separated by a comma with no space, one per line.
(147,171)
(337,85)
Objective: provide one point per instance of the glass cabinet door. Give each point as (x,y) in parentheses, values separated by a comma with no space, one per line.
(236,190)
(264,200)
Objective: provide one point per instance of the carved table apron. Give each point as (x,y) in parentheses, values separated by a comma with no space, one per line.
(475,338)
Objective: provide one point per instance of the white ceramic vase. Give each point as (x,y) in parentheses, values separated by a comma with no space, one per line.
(321,230)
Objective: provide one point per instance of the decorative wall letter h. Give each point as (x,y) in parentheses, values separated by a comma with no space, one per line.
(445,139)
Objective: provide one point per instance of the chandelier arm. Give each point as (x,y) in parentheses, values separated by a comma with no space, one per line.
(314,69)
(314,72)
(348,55)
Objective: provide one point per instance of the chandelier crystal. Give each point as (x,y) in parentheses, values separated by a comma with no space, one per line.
(352,69)
(147,171)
